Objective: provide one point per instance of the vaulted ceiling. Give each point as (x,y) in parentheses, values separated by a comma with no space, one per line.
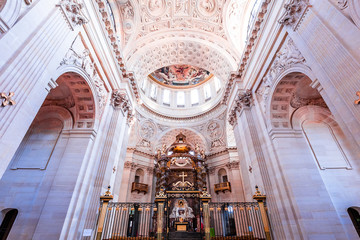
(204,33)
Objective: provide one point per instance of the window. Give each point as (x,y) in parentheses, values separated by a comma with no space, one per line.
(194,97)
(153,91)
(144,83)
(180,99)
(207,92)
(224,178)
(137,179)
(217,84)
(166,97)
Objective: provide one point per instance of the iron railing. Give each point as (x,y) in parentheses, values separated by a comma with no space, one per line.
(240,220)
(129,221)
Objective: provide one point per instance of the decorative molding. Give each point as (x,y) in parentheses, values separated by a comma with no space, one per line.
(233,165)
(116,48)
(244,100)
(287,57)
(254,33)
(84,61)
(294,12)
(72,12)
(7,99)
(119,99)
(130,165)
(298,102)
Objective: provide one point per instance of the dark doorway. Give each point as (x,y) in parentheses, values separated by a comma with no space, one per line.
(354,213)
(7,223)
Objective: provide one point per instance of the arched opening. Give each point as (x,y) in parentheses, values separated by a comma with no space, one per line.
(52,152)
(312,147)
(354,213)
(222,176)
(9,216)
(139,176)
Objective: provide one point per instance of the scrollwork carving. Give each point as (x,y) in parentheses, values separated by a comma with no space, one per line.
(294,11)
(72,10)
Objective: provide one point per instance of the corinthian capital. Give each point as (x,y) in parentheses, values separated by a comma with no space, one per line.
(294,12)
(72,12)
(119,99)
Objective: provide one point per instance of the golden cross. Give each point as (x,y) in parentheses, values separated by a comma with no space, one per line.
(183,176)
(357,101)
(7,99)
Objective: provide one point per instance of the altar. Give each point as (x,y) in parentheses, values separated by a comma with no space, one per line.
(181,172)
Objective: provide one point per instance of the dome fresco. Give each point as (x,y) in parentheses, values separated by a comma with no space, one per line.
(180,75)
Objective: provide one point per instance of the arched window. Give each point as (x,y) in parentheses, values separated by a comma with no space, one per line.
(139,176)
(180,99)
(166,97)
(354,213)
(222,176)
(194,97)
(7,222)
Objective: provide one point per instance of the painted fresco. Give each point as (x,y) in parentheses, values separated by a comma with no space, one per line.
(180,75)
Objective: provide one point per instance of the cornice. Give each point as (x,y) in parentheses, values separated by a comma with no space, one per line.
(255,32)
(214,111)
(116,48)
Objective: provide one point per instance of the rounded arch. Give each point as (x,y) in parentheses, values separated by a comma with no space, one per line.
(8,217)
(139,175)
(85,107)
(312,113)
(60,113)
(9,13)
(290,91)
(222,175)
(192,136)
(81,72)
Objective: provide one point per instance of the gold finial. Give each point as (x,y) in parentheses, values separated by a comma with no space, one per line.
(108,193)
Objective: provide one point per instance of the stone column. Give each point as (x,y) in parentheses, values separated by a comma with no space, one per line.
(105,201)
(329,42)
(116,137)
(261,200)
(205,197)
(249,140)
(30,52)
(160,199)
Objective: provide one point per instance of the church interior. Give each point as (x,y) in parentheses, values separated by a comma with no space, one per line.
(179,119)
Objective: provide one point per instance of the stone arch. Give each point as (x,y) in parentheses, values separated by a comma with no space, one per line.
(222,174)
(9,13)
(290,91)
(192,136)
(322,133)
(82,102)
(140,174)
(56,112)
(8,217)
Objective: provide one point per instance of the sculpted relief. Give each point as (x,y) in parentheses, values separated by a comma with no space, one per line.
(286,57)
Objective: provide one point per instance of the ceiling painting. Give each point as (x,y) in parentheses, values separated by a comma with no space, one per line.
(180,75)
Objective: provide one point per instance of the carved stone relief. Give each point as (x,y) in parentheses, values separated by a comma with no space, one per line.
(215,132)
(294,12)
(72,10)
(84,60)
(287,57)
